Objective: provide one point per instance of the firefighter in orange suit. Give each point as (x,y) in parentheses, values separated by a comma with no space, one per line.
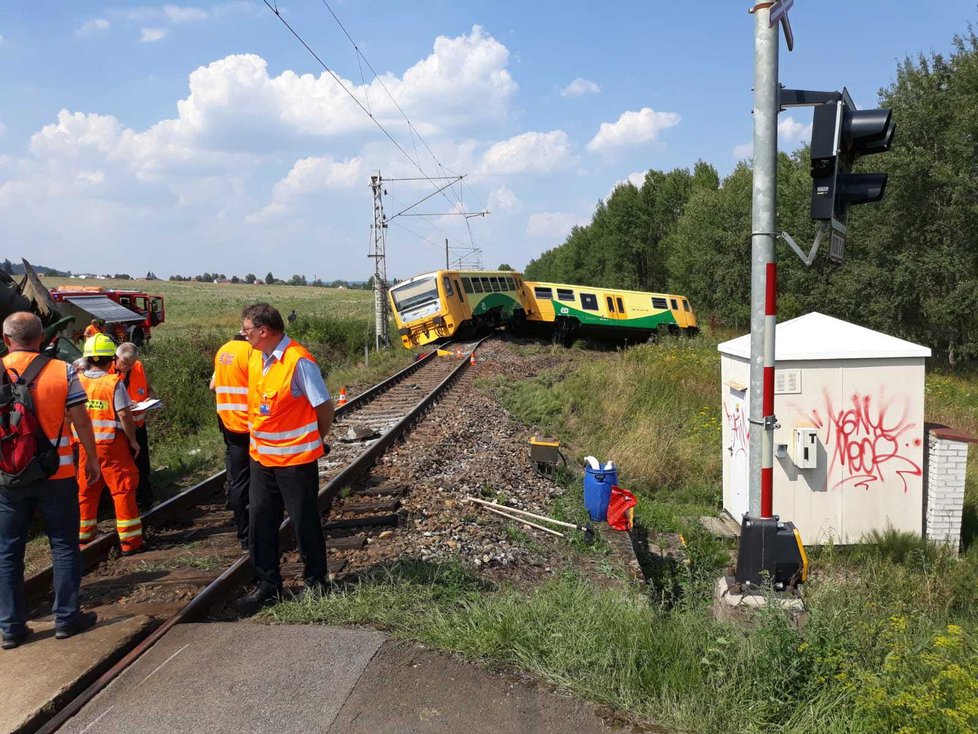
(289,413)
(230,386)
(109,407)
(128,364)
(95,327)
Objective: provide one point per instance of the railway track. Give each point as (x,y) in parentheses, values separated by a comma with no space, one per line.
(194,565)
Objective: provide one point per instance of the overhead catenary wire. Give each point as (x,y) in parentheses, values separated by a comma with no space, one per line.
(352,96)
(412,129)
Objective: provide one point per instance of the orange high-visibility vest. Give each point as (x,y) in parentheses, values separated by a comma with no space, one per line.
(138,387)
(101,405)
(284,429)
(50,392)
(231,384)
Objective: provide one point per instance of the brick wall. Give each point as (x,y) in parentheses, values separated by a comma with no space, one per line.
(947,455)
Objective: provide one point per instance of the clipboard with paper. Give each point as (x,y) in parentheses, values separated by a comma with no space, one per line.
(148,405)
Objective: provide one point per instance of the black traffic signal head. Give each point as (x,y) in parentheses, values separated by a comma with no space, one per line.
(840,135)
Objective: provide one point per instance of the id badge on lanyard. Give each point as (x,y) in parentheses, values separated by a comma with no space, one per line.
(265,407)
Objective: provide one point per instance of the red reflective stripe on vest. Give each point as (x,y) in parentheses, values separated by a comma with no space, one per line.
(50,391)
(284,429)
(231,384)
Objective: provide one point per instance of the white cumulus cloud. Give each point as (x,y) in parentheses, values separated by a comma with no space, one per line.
(580,86)
(636,179)
(553,225)
(92,26)
(632,128)
(504,200)
(791,134)
(792,131)
(184,14)
(149,34)
(310,176)
(532,152)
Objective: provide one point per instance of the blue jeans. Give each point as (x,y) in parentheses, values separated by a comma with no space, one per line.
(57,500)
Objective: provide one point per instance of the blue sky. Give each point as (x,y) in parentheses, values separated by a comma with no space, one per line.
(181,138)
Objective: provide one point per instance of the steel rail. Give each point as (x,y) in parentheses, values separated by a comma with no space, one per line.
(224,586)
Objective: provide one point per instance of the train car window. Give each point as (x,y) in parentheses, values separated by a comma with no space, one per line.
(477,285)
(458,292)
(541,292)
(659,303)
(589,301)
(675,305)
(447,282)
(467,284)
(621,306)
(486,285)
(686,305)
(611,304)
(565,294)
(510,285)
(495,284)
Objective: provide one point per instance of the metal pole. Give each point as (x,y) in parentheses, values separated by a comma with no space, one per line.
(448,265)
(382,340)
(763,277)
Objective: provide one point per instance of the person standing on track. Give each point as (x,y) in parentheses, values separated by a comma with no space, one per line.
(110,408)
(230,386)
(54,390)
(128,364)
(289,414)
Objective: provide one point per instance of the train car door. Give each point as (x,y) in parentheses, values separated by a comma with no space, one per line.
(615,305)
(678,313)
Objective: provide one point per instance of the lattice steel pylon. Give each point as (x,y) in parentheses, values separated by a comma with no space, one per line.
(382,338)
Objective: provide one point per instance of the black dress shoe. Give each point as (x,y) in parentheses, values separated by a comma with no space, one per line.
(81,622)
(12,641)
(261,596)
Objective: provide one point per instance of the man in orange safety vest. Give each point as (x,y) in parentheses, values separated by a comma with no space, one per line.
(55,392)
(289,414)
(230,386)
(110,409)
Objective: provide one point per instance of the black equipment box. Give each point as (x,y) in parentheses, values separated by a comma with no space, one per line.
(771,554)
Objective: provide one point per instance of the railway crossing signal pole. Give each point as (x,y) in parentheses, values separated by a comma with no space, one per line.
(382,338)
(763,278)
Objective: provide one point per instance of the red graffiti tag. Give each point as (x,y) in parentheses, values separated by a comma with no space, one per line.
(867,441)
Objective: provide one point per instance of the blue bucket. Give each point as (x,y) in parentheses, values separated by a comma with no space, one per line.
(597,491)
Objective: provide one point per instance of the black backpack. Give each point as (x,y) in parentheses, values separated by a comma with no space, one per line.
(26,454)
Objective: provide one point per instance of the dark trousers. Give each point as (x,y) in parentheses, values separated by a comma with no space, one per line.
(57,499)
(292,488)
(144,493)
(238,465)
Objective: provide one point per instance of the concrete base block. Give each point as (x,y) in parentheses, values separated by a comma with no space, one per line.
(735,606)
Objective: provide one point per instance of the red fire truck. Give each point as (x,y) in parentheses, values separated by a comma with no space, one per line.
(128,315)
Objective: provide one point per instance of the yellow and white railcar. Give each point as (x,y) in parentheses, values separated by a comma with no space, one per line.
(448,303)
(571,310)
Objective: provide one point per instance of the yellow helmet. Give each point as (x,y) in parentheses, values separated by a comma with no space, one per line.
(99,346)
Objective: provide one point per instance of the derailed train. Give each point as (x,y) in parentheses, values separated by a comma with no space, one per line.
(458,303)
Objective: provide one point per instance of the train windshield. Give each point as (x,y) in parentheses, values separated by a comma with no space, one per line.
(416,293)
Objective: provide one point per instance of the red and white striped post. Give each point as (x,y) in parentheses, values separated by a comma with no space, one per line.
(767,449)
(764,282)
